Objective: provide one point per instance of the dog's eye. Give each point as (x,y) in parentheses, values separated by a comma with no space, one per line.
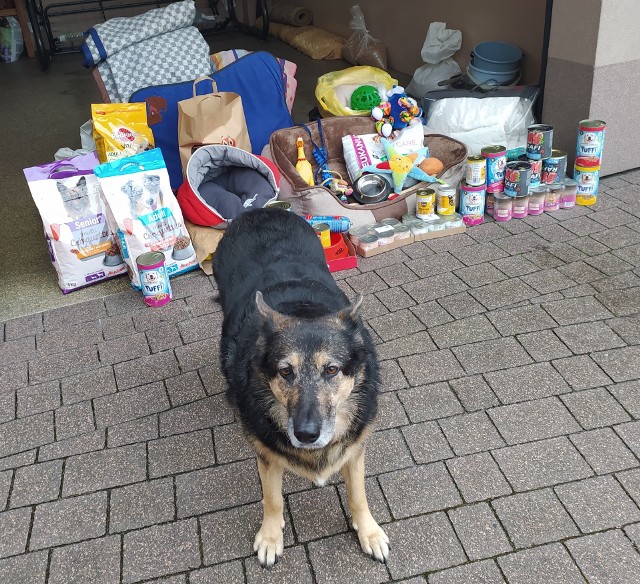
(331,370)
(286,372)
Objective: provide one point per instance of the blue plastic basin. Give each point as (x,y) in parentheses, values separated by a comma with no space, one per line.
(496,56)
(482,76)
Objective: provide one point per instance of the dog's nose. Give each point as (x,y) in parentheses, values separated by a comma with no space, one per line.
(308,432)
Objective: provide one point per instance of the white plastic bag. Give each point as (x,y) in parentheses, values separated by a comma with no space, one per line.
(437,52)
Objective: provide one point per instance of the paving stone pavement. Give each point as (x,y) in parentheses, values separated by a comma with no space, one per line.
(508,447)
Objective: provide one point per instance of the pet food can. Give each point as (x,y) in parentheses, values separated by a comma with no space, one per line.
(355,233)
(539,141)
(426,204)
(502,207)
(324,234)
(446,200)
(489,204)
(536,200)
(476,170)
(517,178)
(587,178)
(401,232)
(154,278)
(536,171)
(419,228)
(496,162)
(453,221)
(438,225)
(568,194)
(284,205)
(385,233)
(520,207)
(552,198)
(390,221)
(554,168)
(368,241)
(472,203)
(591,138)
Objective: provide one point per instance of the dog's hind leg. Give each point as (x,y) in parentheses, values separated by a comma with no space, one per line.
(269,542)
(373,539)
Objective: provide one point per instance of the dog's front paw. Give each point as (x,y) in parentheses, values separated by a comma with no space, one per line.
(373,540)
(269,544)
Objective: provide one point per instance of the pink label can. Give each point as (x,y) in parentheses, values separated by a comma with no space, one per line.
(154,278)
(472,203)
(520,207)
(502,207)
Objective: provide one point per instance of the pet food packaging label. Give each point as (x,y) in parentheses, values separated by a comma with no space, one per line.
(144,213)
(120,130)
(82,247)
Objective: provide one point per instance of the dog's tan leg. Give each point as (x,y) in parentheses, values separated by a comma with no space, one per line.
(269,542)
(373,539)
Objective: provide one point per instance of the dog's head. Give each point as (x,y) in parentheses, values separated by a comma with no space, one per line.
(75,198)
(311,366)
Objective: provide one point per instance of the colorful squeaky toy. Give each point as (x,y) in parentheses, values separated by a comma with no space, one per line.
(396,113)
(400,166)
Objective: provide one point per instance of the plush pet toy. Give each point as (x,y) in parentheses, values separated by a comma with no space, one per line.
(396,113)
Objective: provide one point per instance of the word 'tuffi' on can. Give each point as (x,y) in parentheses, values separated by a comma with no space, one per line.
(517,178)
(324,234)
(536,171)
(476,174)
(591,138)
(446,200)
(554,168)
(154,278)
(539,141)
(426,204)
(472,203)
(587,178)
(496,163)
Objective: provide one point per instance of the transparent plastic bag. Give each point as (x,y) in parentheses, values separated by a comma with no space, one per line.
(361,48)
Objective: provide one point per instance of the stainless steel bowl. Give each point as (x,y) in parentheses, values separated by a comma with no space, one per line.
(370,188)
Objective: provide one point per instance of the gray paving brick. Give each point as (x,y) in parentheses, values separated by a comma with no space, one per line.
(449,243)
(480,275)
(25,569)
(527,382)
(621,302)
(420,489)
(163,337)
(18,460)
(588,337)
(69,521)
(460,332)
(606,557)
(6,478)
(525,319)
(474,393)
(580,272)
(191,285)
(231,572)
(604,451)
(633,533)
(630,480)
(294,570)
(371,307)
(617,283)
(431,313)
(576,310)
(159,550)
(620,364)
(617,237)
(229,534)
(541,565)
(231,444)
(7,407)
(391,376)
(521,242)
(440,366)
(130,404)
(212,489)
(196,355)
(14,529)
(541,464)
(36,483)
(534,420)
(205,413)
(22,349)
(412,344)
(317,513)
(582,225)
(212,379)
(543,345)
(579,291)
(534,518)
(367,283)
(69,337)
(123,349)
(390,412)
(598,503)
(470,433)
(38,398)
(184,452)
(73,314)
(430,265)
(141,505)
(114,327)
(422,544)
(478,477)
(105,469)
(395,299)
(375,498)
(145,370)
(434,287)
(515,266)
(479,531)
(24,326)
(555,233)
(133,431)
(547,281)
(91,562)
(628,394)
(76,445)
(503,293)
(595,408)
(174,312)
(491,355)
(386,451)
(26,433)
(399,274)
(606,263)
(184,388)
(200,327)
(396,324)
(426,442)
(70,362)
(581,372)
(478,252)
(484,572)
(429,402)
(459,305)
(628,328)
(73,420)
(88,385)
(389,258)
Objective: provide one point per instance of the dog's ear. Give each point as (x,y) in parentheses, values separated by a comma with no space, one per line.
(351,311)
(82,182)
(268,313)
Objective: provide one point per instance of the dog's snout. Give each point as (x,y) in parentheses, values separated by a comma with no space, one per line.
(308,431)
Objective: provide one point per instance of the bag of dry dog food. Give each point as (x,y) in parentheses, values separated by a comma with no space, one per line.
(144,213)
(120,129)
(82,247)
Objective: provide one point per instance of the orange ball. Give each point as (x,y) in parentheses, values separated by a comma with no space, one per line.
(431,166)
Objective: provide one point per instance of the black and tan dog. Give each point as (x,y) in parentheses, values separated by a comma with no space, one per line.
(300,365)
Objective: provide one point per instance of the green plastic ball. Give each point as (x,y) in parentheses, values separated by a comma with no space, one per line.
(366,97)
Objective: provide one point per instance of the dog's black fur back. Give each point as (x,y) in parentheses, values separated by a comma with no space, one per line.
(279,254)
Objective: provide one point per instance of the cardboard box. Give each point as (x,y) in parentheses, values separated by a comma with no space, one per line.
(345,262)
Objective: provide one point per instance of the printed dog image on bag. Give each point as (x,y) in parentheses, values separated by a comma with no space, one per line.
(75,198)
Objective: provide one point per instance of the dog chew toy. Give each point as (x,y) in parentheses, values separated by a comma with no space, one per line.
(303,166)
(396,113)
(365,97)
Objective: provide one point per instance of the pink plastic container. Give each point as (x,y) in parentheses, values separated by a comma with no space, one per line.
(553,197)
(568,193)
(489,204)
(520,207)
(502,207)
(536,200)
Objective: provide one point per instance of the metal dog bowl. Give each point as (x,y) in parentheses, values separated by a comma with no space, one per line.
(370,188)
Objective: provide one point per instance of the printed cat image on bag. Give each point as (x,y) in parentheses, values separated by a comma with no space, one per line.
(82,247)
(144,213)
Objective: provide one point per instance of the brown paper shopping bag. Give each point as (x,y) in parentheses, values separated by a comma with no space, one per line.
(214,118)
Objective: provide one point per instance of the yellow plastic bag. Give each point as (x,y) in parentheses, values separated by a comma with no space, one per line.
(120,129)
(328,102)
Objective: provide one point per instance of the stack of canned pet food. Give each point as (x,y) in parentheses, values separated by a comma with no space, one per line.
(586,170)
(368,237)
(435,210)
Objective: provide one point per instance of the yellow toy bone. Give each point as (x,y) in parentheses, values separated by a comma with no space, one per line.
(303,166)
